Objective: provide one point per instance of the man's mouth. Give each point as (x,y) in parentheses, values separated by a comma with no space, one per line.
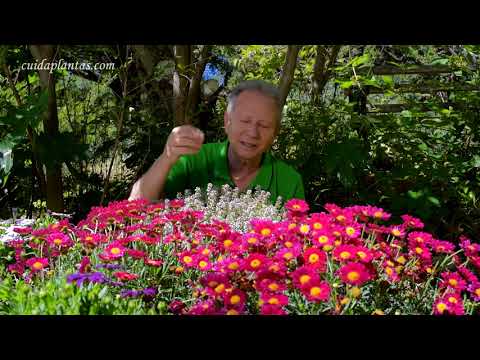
(248,145)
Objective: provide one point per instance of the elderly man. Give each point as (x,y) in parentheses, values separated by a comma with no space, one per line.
(252,121)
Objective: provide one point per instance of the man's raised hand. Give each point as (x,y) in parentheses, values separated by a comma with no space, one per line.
(183,140)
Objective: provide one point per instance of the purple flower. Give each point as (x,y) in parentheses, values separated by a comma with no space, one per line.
(79,278)
(149,293)
(130,293)
(109,266)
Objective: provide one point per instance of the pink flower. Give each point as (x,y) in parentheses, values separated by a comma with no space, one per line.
(453,281)
(115,250)
(317,291)
(315,258)
(345,253)
(273,299)
(153,262)
(297,205)
(440,246)
(125,276)
(354,274)
(412,222)
(474,290)
(268,309)
(304,276)
(84,265)
(37,264)
(59,240)
(136,254)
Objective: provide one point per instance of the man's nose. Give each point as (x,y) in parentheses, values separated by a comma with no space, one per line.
(253,132)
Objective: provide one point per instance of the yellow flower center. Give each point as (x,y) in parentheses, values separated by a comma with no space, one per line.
(361,254)
(273,301)
(233,266)
(273,286)
(252,240)
(296,206)
(187,259)
(288,244)
(315,291)
(227,243)
(419,240)
(323,239)
(313,258)
(205,251)
(266,231)
(88,238)
(219,289)
(353,276)
(356,292)
(288,255)
(327,247)
(477,292)
(378,214)
(341,218)
(345,254)
(235,299)
(232,312)
(401,260)
(291,226)
(37,265)
(317,226)
(418,250)
(255,263)
(390,263)
(452,299)
(304,229)
(396,232)
(345,301)
(57,241)
(350,230)
(202,264)
(274,268)
(212,284)
(441,307)
(115,251)
(453,282)
(389,270)
(304,279)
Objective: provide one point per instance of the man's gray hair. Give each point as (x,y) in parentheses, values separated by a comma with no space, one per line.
(261,86)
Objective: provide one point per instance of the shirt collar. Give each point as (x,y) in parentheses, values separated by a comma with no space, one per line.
(263,178)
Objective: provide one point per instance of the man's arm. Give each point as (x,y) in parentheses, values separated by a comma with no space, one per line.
(151,185)
(183,140)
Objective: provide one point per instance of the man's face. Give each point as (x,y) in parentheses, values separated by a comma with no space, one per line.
(252,126)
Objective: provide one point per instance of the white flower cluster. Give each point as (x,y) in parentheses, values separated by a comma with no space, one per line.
(7,226)
(235,207)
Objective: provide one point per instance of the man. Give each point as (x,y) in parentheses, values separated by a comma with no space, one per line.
(252,121)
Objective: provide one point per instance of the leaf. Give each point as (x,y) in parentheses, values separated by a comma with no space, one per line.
(434,200)
(476,161)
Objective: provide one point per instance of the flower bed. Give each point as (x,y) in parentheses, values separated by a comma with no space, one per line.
(165,258)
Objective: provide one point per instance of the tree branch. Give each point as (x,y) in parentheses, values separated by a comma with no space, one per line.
(288,72)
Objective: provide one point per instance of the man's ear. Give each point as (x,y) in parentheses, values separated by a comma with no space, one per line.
(226,120)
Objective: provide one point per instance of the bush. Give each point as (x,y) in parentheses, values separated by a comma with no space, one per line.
(149,258)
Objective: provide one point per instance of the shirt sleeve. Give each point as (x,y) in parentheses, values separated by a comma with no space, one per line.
(177,179)
(299,192)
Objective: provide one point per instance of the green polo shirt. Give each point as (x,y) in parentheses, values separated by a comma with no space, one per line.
(210,165)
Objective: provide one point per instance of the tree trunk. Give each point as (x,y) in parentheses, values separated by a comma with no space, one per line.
(288,72)
(322,69)
(37,169)
(50,124)
(193,96)
(182,54)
